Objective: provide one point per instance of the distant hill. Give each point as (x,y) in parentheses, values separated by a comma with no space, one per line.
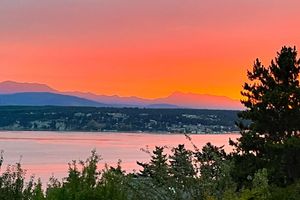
(45,98)
(10,87)
(175,100)
(109,119)
(162,106)
(113,99)
(191,100)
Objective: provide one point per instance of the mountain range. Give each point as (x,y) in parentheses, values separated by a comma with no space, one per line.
(16,93)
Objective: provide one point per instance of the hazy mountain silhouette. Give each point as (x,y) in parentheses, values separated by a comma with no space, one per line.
(191,100)
(45,98)
(163,105)
(176,99)
(114,99)
(10,87)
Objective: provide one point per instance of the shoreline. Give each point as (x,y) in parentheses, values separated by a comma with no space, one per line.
(122,132)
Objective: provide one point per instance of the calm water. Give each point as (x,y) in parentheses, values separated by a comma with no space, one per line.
(47,153)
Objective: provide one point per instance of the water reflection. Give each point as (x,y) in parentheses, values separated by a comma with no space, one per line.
(47,153)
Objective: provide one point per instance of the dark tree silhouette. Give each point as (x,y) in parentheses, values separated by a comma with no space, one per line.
(272,101)
(181,164)
(157,168)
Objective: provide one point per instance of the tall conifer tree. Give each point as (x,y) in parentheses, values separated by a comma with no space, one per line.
(272,101)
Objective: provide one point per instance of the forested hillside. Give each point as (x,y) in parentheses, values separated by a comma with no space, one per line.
(57,118)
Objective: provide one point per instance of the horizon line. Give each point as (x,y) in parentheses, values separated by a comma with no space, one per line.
(121,96)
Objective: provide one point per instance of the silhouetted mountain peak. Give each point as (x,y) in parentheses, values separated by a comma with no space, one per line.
(10,87)
(176,99)
(193,100)
(45,98)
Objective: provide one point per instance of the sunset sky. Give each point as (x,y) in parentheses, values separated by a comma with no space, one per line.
(140,47)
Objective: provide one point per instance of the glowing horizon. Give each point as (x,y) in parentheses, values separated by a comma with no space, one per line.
(147,49)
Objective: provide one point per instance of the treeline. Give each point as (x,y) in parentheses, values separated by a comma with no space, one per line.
(206,174)
(55,118)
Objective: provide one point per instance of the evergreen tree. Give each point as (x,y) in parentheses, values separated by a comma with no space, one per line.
(181,164)
(157,168)
(214,168)
(272,101)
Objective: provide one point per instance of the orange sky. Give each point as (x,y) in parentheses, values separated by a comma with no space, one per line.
(142,48)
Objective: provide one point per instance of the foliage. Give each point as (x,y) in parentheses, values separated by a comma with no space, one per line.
(272,101)
(183,182)
(14,187)
(157,168)
(215,169)
(181,165)
(86,182)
